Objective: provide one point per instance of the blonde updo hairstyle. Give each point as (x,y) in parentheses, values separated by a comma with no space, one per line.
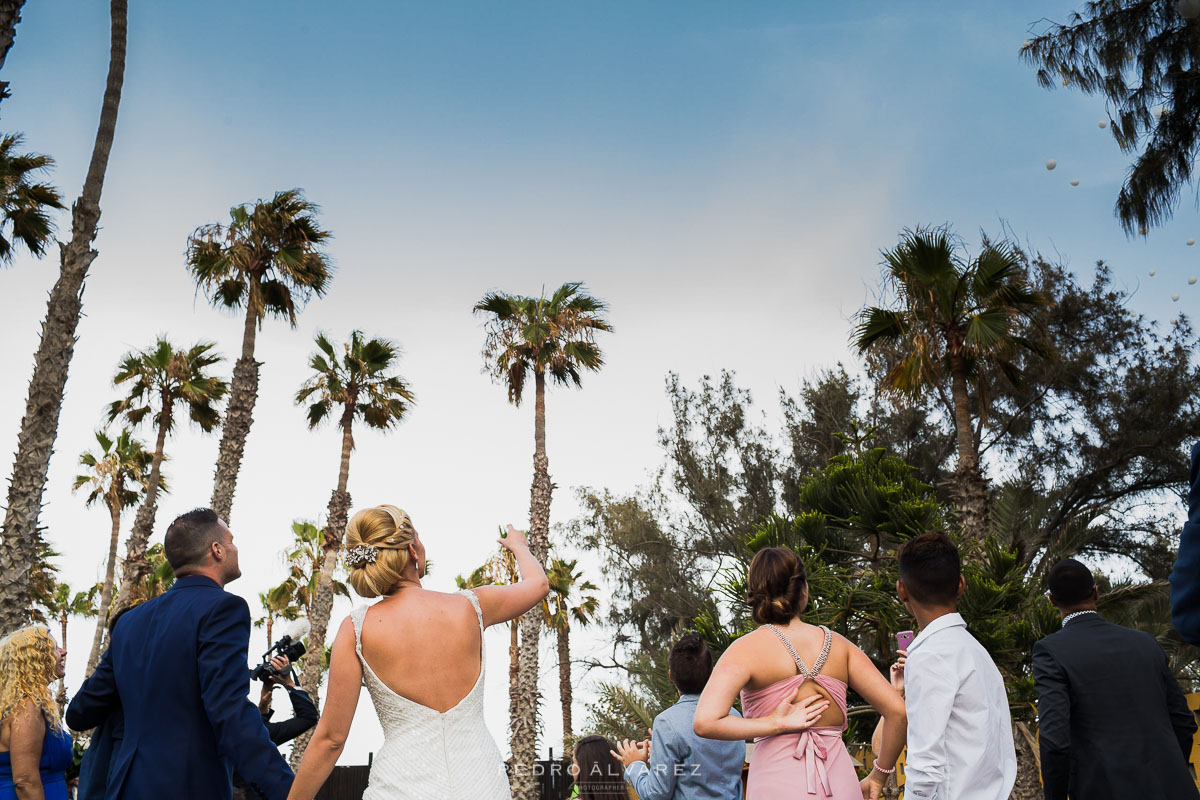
(26,671)
(777,586)
(389,529)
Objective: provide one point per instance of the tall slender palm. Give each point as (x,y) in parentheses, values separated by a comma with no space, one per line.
(267,260)
(305,557)
(551,338)
(25,205)
(566,584)
(953,322)
(63,605)
(277,603)
(163,382)
(117,475)
(10,15)
(353,384)
(501,569)
(43,403)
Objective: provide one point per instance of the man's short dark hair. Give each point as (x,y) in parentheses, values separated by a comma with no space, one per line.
(190,538)
(1070,582)
(691,663)
(930,568)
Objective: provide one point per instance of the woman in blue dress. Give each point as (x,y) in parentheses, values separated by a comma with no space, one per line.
(35,751)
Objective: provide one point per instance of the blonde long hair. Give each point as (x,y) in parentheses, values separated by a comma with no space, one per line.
(389,529)
(26,671)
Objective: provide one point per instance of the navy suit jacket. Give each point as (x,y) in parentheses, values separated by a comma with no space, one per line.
(176,667)
(1185,579)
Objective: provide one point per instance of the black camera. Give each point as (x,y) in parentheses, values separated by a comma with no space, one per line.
(286,646)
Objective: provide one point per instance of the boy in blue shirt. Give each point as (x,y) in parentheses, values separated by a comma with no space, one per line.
(676,764)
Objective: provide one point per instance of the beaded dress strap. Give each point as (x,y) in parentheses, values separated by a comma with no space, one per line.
(804,670)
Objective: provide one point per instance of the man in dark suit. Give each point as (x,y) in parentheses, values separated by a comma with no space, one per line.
(1112,719)
(176,666)
(1185,578)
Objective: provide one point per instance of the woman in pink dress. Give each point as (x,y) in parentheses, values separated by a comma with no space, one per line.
(792,677)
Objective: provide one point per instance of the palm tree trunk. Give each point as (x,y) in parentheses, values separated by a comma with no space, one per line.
(10,15)
(270,626)
(106,593)
(564,680)
(970,494)
(43,405)
(243,393)
(135,567)
(514,675)
(61,699)
(522,781)
(322,605)
(1028,785)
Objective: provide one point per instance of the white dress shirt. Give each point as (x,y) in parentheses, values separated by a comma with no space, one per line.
(960,744)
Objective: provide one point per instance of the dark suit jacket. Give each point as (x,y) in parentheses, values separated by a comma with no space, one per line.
(304,717)
(1185,579)
(1112,719)
(177,668)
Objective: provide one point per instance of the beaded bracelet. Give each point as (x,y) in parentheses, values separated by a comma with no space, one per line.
(878,768)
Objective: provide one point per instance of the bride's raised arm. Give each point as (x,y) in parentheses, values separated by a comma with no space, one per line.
(502,603)
(341,699)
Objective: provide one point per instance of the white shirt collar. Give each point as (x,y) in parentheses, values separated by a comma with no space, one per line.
(941,623)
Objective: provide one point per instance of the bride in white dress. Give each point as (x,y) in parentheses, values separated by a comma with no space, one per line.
(420,654)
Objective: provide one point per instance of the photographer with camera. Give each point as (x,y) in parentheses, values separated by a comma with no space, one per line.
(278,672)
(304,713)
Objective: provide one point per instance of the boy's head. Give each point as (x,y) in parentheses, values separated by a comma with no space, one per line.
(1071,584)
(690,663)
(930,572)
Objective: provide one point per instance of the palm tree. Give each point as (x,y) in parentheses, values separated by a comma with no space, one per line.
(501,569)
(167,377)
(25,206)
(551,338)
(565,586)
(64,605)
(10,15)
(43,403)
(268,260)
(355,384)
(955,323)
(43,578)
(160,576)
(117,476)
(305,557)
(277,603)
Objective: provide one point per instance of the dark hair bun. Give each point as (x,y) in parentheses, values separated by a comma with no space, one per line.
(775,586)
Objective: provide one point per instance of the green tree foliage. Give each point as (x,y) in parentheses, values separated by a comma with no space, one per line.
(1087,453)
(1141,57)
(25,204)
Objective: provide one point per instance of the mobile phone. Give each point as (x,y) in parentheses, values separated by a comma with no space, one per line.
(904,639)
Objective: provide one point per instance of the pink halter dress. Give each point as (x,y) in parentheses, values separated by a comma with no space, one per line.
(812,764)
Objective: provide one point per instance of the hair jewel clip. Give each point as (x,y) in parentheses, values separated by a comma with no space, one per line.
(361,555)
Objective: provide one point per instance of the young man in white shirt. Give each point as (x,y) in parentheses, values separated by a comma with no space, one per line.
(960,744)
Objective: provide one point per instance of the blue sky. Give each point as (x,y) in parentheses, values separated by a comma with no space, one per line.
(723,174)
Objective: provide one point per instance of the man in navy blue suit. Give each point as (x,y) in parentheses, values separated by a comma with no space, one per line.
(1185,579)
(177,667)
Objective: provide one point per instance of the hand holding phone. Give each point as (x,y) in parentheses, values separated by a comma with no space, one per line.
(896,673)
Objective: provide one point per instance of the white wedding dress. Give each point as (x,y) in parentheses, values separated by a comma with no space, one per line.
(428,754)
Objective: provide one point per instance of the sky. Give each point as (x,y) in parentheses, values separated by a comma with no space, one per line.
(722,175)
